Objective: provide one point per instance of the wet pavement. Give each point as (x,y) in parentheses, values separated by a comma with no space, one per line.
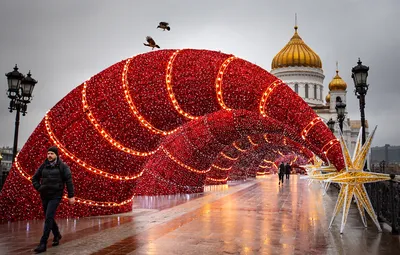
(253,217)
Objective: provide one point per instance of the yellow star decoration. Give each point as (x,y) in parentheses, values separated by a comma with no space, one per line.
(324,177)
(313,169)
(325,173)
(352,183)
(317,172)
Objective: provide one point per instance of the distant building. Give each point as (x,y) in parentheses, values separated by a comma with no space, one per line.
(6,161)
(5,164)
(391,154)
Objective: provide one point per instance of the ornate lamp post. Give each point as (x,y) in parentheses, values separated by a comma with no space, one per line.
(359,75)
(340,110)
(20,90)
(331,125)
(382,165)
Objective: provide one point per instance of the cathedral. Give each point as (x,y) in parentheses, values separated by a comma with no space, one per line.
(301,69)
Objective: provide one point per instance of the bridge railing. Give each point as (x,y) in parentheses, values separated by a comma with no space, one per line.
(385,198)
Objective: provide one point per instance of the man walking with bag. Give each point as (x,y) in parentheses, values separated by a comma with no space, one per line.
(50,180)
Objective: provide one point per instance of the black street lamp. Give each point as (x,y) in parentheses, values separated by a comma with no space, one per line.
(382,165)
(20,90)
(331,125)
(359,75)
(340,110)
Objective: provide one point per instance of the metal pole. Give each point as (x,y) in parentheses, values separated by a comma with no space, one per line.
(392,206)
(18,106)
(341,125)
(362,107)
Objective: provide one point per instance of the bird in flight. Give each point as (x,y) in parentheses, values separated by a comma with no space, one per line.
(151,43)
(164,25)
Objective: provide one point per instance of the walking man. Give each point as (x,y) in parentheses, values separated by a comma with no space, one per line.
(281,172)
(50,180)
(288,169)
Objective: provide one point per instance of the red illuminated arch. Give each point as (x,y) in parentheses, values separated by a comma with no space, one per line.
(151,117)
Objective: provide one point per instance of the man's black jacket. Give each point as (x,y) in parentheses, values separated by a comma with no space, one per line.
(50,180)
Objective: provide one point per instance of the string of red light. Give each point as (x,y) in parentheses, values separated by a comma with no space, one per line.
(266,95)
(183,164)
(217,180)
(105,134)
(132,106)
(218,82)
(168,81)
(82,163)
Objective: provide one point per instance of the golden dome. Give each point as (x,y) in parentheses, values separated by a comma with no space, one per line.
(296,53)
(328,98)
(337,83)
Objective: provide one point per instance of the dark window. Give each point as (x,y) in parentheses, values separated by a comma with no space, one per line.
(315,91)
(306,88)
(296,88)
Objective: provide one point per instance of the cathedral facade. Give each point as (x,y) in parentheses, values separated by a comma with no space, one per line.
(301,69)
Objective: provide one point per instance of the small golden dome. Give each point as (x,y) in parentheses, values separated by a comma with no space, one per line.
(296,53)
(328,98)
(337,83)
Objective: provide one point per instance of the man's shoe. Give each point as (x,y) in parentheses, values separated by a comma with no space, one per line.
(41,248)
(56,240)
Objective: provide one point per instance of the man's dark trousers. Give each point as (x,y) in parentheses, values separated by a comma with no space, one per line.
(50,225)
(281,177)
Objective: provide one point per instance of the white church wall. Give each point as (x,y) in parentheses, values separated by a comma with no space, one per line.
(315,76)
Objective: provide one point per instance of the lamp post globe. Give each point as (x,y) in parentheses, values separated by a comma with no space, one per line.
(341,113)
(27,86)
(359,75)
(331,125)
(14,79)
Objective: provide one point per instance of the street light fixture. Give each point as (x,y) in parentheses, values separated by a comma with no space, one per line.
(331,125)
(359,75)
(382,165)
(340,110)
(20,90)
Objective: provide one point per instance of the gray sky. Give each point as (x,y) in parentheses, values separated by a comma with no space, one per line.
(64,43)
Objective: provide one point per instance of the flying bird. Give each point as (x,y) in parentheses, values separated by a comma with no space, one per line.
(151,43)
(164,25)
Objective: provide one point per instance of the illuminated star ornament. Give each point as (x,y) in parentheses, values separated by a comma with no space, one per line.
(310,168)
(313,169)
(323,175)
(352,183)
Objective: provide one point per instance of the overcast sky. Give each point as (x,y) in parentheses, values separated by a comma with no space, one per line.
(64,43)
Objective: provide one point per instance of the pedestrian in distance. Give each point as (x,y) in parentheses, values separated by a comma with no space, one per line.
(288,169)
(281,172)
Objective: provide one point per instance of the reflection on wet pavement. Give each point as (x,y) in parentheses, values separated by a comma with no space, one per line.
(253,217)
